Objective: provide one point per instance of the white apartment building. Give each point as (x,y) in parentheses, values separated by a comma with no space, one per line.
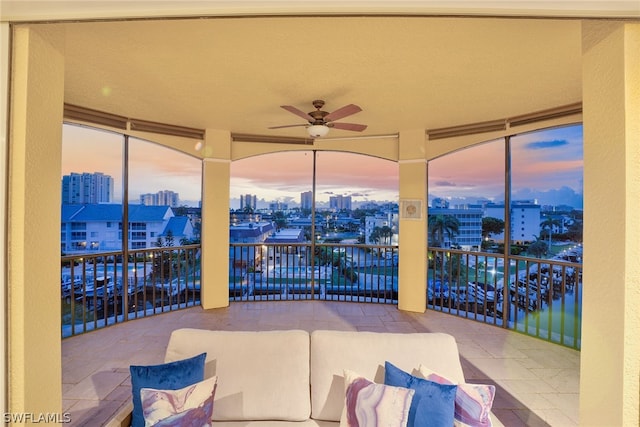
(94,228)
(469,236)
(382,219)
(252,233)
(525,220)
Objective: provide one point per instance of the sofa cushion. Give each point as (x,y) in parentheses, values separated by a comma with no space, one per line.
(433,404)
(261,375)
(366,352)
(177,373)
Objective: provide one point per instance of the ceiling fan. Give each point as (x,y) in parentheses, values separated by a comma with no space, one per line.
(320,121)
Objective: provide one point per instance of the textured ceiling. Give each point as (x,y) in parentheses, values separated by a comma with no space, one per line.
(404,72)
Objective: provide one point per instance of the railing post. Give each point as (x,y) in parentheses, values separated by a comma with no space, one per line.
(507,233)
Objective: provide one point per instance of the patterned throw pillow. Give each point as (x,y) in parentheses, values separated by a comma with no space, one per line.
(473,401)
(167,376)
(433,404)
(368,404)
(189,406)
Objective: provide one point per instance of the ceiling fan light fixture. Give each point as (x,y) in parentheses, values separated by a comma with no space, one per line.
(317,131)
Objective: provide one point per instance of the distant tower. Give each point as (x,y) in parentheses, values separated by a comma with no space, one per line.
(86,188)
(248,201)
(168,198)
(161,198)
(278,206)
(306,200)
(340,202)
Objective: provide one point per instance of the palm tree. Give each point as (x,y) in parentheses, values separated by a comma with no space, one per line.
(441,226)
(548,224)
(386,233)
(375,235)
(538,248)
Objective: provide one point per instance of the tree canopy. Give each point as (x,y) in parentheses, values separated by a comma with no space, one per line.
(441,226)
(491,226)
(381,234)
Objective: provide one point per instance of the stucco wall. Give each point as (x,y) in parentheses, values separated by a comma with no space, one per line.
(610,333)
(34,345)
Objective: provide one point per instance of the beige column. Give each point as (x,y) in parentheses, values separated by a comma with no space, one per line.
(216,177)
(412,236)
(610,357)
(5,48)
(35,140)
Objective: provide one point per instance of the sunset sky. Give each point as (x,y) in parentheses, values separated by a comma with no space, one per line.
(546,165)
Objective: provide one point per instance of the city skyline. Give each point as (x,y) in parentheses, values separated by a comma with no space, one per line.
(547,167)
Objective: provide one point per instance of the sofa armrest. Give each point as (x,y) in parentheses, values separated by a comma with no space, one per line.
(122,417)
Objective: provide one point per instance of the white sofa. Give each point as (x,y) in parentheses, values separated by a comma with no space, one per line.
(295,378)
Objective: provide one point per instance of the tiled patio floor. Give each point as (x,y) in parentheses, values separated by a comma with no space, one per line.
(537,383)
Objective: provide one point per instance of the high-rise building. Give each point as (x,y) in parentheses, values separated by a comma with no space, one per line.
(278,206)
(306,200)
(161,198)
(340,202)
(248,201)
(84,188)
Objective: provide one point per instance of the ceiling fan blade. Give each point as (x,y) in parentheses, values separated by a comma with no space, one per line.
(345,111)
(297,112)
(287,126)
(348,126)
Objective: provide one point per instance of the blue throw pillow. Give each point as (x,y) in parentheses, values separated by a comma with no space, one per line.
(433,404)
(168,376)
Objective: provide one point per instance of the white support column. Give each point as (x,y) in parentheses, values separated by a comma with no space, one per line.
(610,352)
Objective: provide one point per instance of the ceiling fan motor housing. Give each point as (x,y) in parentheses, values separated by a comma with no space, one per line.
(317,130)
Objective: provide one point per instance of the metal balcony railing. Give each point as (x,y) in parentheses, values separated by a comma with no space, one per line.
(332,272)
(98,290)
(539,297)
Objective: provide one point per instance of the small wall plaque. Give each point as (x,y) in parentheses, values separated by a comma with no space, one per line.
(411,209)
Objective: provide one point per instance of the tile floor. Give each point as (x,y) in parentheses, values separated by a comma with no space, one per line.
(537,383)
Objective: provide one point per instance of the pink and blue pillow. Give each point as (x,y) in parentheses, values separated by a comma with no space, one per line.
(433,404)
(368,404)
(188,406)
(473,401)
(167,376)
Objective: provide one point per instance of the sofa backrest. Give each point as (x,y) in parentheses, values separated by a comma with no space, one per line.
(261,375)
(365,353)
